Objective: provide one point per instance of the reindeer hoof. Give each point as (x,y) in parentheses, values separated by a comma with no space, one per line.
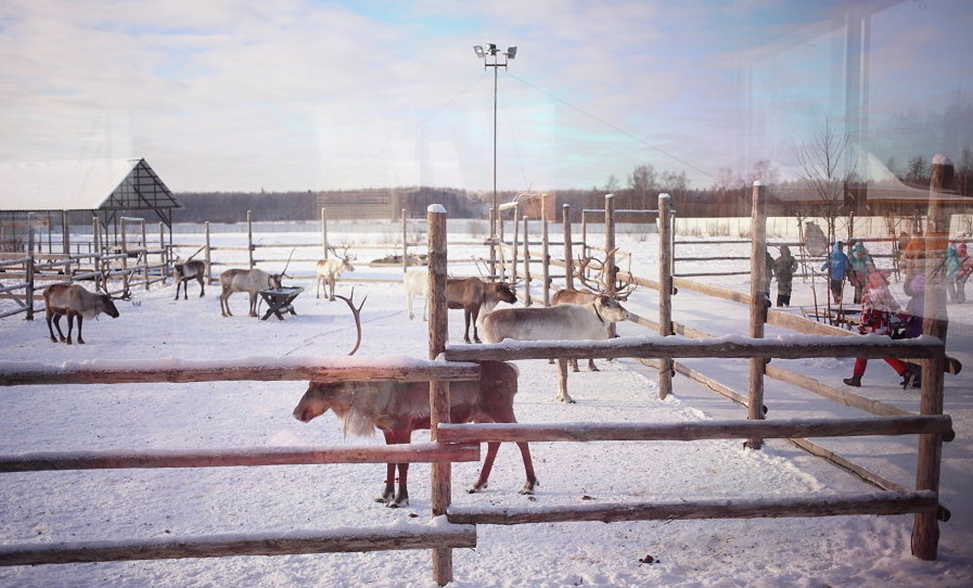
(529,487)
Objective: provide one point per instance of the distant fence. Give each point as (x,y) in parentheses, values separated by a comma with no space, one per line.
(113,269)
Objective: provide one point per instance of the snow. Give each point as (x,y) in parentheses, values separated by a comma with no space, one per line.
(150,505)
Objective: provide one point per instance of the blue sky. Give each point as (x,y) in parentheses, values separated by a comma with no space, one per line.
(314,95)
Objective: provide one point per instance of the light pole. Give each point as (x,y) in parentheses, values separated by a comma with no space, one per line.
(490,56)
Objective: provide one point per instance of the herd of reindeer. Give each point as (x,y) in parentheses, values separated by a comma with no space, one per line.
(399,408)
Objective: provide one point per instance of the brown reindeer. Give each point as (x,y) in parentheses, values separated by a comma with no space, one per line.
(398,408)
(474,295)
(189,270)
(74,301)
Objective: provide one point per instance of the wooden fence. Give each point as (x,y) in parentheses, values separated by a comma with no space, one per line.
(454,442)
(114,269)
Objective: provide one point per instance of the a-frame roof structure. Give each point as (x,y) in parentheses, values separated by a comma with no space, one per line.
(106,186)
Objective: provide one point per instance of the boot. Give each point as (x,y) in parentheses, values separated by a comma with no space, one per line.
(913,377)
(855,381)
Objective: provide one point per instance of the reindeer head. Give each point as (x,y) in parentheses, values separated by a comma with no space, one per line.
(621,289)
(344,257)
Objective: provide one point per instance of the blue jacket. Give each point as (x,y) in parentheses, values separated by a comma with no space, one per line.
(837,262)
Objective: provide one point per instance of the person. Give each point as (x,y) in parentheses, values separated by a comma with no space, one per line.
(837,266)
(954,266)
(784,268)
(913,258)
(966,267)
(861,266)
(878,306)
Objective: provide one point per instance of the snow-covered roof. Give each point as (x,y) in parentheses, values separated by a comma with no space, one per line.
(82,185)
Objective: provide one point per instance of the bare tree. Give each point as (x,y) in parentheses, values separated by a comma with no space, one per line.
(643,183)
(726,180)
(829,163)
(917,171)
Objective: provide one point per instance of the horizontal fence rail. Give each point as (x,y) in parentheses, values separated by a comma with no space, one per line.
(184,371)
(799,506)
(791,347)
(419,536)
(101,460)
(693,431)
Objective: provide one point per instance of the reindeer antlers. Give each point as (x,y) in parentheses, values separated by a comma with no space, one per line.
(622,288)
(357,313)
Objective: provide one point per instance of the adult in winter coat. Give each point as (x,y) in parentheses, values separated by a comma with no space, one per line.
(784,268)
(878,306)
(837,266)
(861,266)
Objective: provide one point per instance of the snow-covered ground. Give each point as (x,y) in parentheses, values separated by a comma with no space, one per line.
(50,507)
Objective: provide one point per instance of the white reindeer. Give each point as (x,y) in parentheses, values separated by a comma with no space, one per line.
(417,284)
(329,269)
(241,280)
(567,322)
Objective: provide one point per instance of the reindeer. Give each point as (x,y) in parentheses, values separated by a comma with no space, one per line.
(329,269)
(474,295)
(417,284)
(189,270)
(567,322)
(240,280)
(74,301)
(398,408)
(621,292)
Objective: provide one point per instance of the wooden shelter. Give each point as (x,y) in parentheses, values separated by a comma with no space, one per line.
(58,194)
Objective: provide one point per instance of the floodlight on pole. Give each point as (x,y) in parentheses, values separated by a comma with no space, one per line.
(490,58)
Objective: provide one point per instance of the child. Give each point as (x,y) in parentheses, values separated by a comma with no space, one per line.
(861,266)
(837,266)
(878,304)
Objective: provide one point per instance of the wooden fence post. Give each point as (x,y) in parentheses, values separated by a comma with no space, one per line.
(665,289)
(545,254)
(405,243)
(66,236)
(30,267)
(925,530)
(568,253)
(208,255)
(165,253)
(612,272)
(250,237)
(501,249)
(145,255)
(324,232)
(100,279)
(516,245)
(442,558)
(759,298)
(527,301)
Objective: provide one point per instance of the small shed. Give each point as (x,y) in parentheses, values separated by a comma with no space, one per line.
(58,194)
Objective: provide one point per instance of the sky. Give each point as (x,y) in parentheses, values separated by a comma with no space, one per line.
(294,95)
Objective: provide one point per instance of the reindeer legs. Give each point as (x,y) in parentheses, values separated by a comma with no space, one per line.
(389,497)
(562,382)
